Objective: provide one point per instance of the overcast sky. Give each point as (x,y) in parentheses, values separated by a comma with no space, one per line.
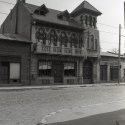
(112,16)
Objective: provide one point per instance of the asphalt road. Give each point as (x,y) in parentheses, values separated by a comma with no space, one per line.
(101,119)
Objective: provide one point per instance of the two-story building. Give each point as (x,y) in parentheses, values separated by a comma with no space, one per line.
(65,46)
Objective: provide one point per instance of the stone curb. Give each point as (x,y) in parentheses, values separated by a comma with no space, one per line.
(23,88)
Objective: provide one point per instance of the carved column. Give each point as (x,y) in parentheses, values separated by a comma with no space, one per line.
(96,71)
(80,71)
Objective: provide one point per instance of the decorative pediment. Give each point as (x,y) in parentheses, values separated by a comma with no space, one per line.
(64,14)
(42,10)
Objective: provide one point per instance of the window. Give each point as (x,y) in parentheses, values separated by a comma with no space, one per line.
(44,68)
(103,72)
(81,19)
(90,21)
(114,73)
(41,35)
(88,43)
(96,44)
(64,39)
(86,20)
(94,22)
(92,42)
(53,37)
(69,69)
(15,71)
(74,40)
(81,42)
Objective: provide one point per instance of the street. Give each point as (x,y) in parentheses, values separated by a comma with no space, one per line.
(28,107)
(112,118)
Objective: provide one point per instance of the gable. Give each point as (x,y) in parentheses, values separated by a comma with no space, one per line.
(65,14)
(42,10)
(85,6)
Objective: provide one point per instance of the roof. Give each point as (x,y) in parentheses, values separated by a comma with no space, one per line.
(51,16)
(85,6)
(14,37)
(109,54)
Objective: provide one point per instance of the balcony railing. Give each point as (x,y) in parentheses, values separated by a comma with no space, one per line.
(62,50)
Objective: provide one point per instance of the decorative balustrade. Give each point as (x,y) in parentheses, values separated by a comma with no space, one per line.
(63,50)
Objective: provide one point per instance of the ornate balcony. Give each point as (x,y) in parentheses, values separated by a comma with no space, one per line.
(45,49)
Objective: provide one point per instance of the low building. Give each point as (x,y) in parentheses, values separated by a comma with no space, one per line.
(109,67)
(14,60)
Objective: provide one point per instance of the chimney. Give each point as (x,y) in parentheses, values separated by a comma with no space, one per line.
(23,1)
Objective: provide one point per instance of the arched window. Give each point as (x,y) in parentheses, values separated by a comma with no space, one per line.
(53,37)
(41,36)
(92,42)
(90,21)
(63,39)
(74,40)
(88,43)
(81,19)
(96,44)
(81,42)
(94,22)
(86,20)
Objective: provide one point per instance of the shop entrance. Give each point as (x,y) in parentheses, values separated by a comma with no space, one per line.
(87,71)
(58,72)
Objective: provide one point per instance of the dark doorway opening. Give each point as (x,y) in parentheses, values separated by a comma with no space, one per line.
(87,72)
(58,72)
(4,72)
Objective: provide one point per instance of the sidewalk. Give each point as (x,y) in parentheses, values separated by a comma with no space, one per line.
(56,86)
(84,111)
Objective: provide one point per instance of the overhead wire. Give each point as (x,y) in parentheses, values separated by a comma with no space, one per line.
(3,13)
(108,25)
(7,2)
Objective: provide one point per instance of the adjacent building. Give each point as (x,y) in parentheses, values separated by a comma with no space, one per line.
(109,68)
(65,46)
(14,60)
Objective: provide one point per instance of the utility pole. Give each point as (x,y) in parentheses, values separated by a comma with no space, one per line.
(119,54)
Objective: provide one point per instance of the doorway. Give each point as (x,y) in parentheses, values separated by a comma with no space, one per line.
(58,72)
(87,71)
(4,72)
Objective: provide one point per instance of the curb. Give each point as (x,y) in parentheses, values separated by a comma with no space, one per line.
(54,87)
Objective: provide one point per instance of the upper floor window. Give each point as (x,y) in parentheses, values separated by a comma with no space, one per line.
(81,19)
(41,35)
(90,21)
(94,22)
(53,37)
(64,39)
(42,10)
(92,42)
(81,42)
(86,20)
(74,40)
(96,44)
(88,43)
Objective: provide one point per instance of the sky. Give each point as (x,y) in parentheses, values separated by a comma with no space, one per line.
(108,22)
